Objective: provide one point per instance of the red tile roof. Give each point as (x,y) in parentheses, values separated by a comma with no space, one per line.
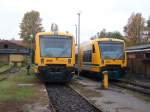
(17,42)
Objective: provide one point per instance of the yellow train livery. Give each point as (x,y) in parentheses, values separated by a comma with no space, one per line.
(54,56)
(103,54)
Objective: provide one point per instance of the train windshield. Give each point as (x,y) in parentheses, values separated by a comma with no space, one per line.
(55,46)
(112,50)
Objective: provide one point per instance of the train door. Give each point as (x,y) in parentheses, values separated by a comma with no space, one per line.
(93,53)
(95,57)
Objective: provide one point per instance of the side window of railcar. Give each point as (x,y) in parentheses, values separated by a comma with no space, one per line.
(93,49)
(87,56)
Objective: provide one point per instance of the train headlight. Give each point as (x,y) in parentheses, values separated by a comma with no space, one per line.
(42,61)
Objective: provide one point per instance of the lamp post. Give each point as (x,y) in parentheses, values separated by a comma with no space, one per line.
(31,38)
(76,33)
(78,43)
(30,49)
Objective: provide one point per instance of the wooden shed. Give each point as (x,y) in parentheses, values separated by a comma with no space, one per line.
(13,51)
(139,60)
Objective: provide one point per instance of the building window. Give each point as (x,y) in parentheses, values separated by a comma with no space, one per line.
(5,46)
(147,55)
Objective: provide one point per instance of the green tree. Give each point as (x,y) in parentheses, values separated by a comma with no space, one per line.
(30,25)
(115,34)
(102,33)
(148,27)
(134,28)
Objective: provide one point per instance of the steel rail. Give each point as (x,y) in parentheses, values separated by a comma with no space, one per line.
(133,83)
(133,88)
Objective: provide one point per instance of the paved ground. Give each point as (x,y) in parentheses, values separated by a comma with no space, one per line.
(41,104)
(114,99)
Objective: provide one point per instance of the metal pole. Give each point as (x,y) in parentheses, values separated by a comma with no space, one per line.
(31,37)
(31,53)
(78,43)
(76,33)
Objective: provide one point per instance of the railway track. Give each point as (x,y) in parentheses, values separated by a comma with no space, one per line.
(141,88)
(64,99)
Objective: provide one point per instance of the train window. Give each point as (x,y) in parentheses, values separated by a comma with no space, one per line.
(112,50)
(87,56)
(93,49)
(55,47)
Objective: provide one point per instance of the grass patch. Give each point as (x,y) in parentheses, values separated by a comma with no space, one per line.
(10,91)
(3,63)
(4,68)
(2,76)
(22,77)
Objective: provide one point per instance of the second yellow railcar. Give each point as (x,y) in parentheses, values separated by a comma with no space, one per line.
(103,54)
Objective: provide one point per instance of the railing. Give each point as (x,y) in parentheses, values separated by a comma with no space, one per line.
(24,51)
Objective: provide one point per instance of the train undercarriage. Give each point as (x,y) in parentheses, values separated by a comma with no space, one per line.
(55,73)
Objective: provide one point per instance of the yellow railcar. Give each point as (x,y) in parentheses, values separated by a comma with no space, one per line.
(54,56)
(103,54)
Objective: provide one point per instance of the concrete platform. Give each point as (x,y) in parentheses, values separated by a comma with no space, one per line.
(112,100)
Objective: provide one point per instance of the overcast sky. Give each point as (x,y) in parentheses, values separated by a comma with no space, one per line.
(95,15)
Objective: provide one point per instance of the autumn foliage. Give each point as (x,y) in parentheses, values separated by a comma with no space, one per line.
(134,29)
